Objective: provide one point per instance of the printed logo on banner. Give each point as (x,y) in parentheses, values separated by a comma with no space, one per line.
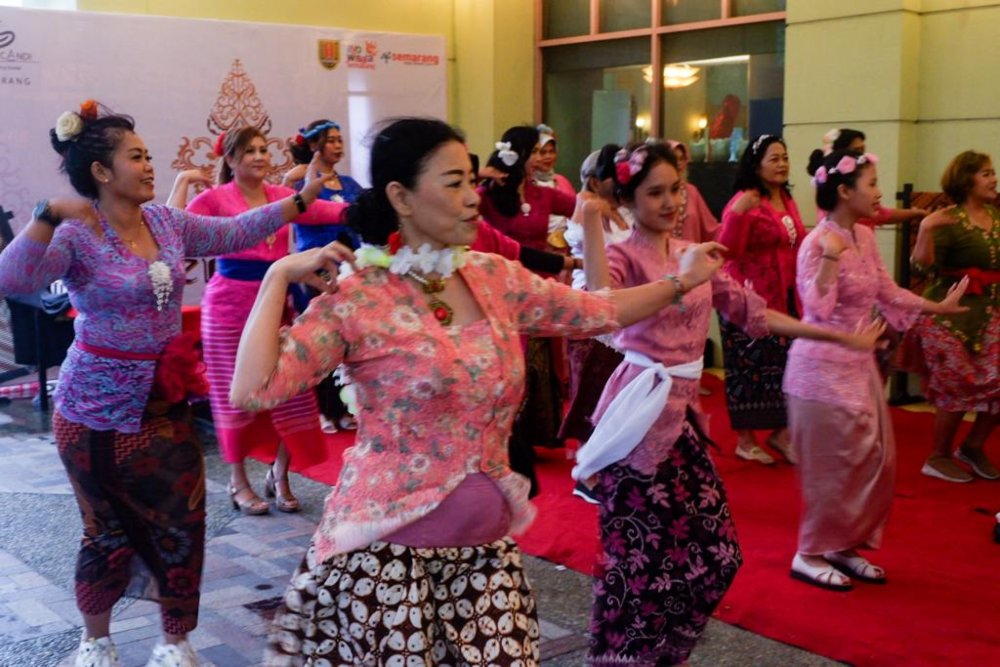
(14,61)
(426,59)
(329,53)
(362,56)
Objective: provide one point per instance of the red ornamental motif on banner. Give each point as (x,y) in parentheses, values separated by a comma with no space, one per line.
(237,105)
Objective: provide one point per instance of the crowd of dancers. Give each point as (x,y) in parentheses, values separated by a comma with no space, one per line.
(436,292)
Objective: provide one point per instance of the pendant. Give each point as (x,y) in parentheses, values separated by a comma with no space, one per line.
(270,240)
(442,312)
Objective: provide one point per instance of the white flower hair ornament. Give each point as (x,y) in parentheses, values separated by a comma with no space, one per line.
(506,155)
(846,165)
(69,125)
(759,142)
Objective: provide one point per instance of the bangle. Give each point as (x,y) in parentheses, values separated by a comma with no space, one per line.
(678,290)
(832,258)
(300,203)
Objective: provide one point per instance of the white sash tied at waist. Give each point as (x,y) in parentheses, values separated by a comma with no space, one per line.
(631,413)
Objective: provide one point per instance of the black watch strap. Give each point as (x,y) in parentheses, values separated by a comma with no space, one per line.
(44,213)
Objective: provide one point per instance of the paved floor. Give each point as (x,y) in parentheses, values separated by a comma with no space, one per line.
(248,563)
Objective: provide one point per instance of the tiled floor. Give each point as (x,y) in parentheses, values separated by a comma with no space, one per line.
(248,563)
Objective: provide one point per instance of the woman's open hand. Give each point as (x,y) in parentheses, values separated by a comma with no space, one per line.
(866,337)
(949,304)
(316,267)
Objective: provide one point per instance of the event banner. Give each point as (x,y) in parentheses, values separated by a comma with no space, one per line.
(185,81)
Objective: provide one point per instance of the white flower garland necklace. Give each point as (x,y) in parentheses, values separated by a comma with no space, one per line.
(416,266)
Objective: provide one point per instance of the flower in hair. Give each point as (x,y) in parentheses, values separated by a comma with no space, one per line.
(545,129)
(846,165)
(820,176)
(506,155)
(219,146)
(759,142)
(628,165)
(299,140)
(69,125)
(88,110)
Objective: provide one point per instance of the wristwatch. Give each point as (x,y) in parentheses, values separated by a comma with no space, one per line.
(44,213)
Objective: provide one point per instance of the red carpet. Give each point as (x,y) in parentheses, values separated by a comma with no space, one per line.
(941,606)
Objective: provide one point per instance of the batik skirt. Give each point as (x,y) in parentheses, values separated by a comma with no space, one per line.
(957,379)
(142,501)
(755,368)
(669,555)
(389,604)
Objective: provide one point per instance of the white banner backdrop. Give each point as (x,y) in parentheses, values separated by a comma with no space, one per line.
(185,81)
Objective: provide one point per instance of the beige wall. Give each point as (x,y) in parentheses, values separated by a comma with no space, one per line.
(489,43)
(917,76)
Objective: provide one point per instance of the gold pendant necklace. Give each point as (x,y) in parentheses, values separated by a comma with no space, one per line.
(441,311)
(132,243)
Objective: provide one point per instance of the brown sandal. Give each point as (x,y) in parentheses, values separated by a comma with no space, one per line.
(289,503)
(253,506)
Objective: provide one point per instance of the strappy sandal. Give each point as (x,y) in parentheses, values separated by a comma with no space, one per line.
(755,453)
(823,577)
(288,504)
(253,506)
(856,566)
(783,446)
(327,426)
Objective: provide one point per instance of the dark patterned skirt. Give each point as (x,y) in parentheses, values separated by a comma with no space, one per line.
(389,604)
(541,411)
(754,371)
(537,422)
(591,363)
(669,555)
(142,501)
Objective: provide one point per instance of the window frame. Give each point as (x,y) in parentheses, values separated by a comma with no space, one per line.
(653,32)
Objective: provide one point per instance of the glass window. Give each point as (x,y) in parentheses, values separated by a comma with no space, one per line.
(722,87)
(595,94)
(749,7)
(625,15)
(690,11)
(565,18)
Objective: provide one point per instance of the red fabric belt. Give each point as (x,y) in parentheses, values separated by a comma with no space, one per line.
(180,372)
(979,279)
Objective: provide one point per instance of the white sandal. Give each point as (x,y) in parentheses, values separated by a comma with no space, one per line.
(823,577)
(99,652)
(755,453)
(856,566)
(175,655)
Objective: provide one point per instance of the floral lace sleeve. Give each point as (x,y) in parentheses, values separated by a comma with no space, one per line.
(740,305)
(900,307)
(820,305)
(309,351)
(548,308)
(206,237)
(27,266)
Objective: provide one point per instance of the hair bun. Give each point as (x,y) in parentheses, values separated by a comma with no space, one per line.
(58,146)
